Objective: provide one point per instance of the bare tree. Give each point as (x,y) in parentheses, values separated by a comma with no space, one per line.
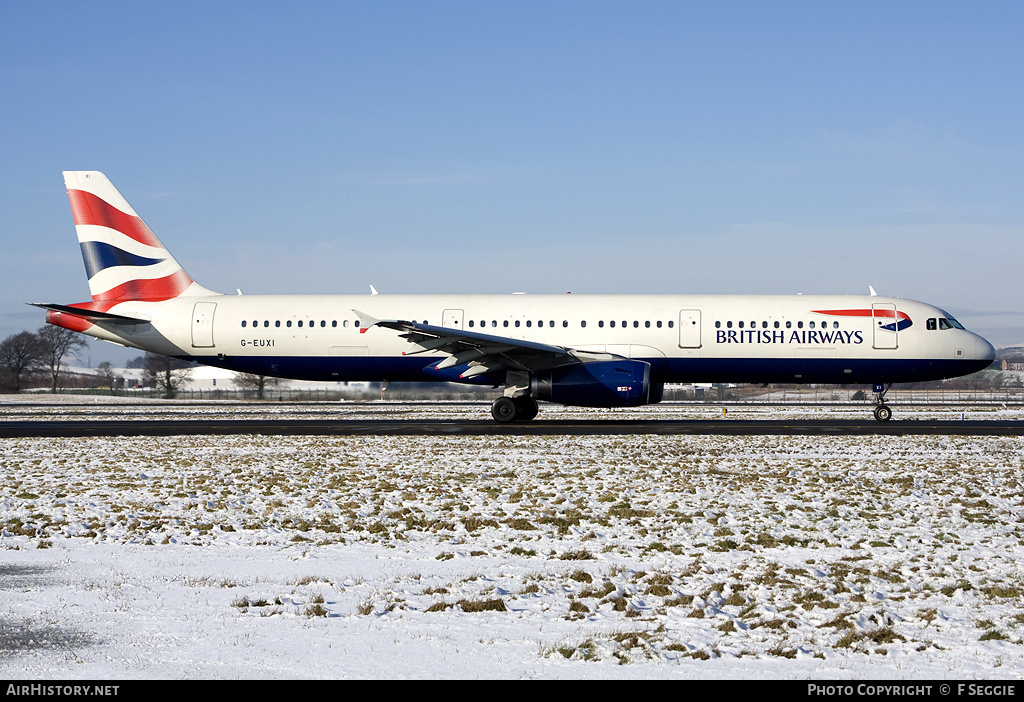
(19,354)
(105,372)
(166,372)
(55,343)
(255,382)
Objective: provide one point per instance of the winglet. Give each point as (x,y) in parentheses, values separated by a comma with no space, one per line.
(365,321)
(872,290)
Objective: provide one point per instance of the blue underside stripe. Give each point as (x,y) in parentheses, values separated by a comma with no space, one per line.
(667,370)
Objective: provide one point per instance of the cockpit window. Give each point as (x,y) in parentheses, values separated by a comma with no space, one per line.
(947,321)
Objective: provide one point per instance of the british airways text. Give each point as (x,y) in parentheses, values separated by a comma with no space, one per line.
(806,336)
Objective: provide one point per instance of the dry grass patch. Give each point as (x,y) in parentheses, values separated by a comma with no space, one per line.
(483,605)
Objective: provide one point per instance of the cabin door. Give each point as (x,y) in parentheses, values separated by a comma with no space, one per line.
(884,325)
(202,324)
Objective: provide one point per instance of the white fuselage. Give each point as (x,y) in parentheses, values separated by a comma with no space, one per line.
(685,338)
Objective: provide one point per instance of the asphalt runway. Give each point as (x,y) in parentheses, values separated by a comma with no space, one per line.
(538,427)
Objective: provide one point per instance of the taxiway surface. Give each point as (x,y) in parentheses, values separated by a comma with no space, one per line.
(416,427)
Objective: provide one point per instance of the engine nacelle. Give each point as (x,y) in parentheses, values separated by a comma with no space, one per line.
(623,383)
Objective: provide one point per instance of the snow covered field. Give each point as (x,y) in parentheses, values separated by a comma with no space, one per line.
(549,557)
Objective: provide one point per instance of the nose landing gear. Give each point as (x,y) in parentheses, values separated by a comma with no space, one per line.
(883,413)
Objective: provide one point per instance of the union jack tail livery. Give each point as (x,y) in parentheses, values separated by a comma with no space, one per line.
(123,258)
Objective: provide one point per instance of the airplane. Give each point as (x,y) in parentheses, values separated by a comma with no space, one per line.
(574,350)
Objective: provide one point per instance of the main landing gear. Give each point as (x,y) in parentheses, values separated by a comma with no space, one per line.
(514,409)
(883,413)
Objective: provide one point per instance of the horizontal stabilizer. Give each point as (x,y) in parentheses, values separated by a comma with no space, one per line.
(92,315)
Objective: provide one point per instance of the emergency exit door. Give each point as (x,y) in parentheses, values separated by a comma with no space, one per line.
(689,329)
(452,319)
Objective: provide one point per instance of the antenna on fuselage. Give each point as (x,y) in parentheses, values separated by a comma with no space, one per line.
(872,291)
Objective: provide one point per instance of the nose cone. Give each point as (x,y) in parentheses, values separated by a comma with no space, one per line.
(979,352)
(984,351)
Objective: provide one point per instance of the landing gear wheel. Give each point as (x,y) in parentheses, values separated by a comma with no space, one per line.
(527,408)
(883,413)
(505,410)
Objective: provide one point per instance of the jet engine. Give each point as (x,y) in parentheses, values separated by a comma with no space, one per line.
(617,383)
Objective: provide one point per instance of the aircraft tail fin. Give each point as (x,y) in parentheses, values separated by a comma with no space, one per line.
(123,258)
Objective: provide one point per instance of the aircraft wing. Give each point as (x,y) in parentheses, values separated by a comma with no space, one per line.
(484,353)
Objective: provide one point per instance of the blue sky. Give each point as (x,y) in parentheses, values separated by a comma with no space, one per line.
(690,147)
